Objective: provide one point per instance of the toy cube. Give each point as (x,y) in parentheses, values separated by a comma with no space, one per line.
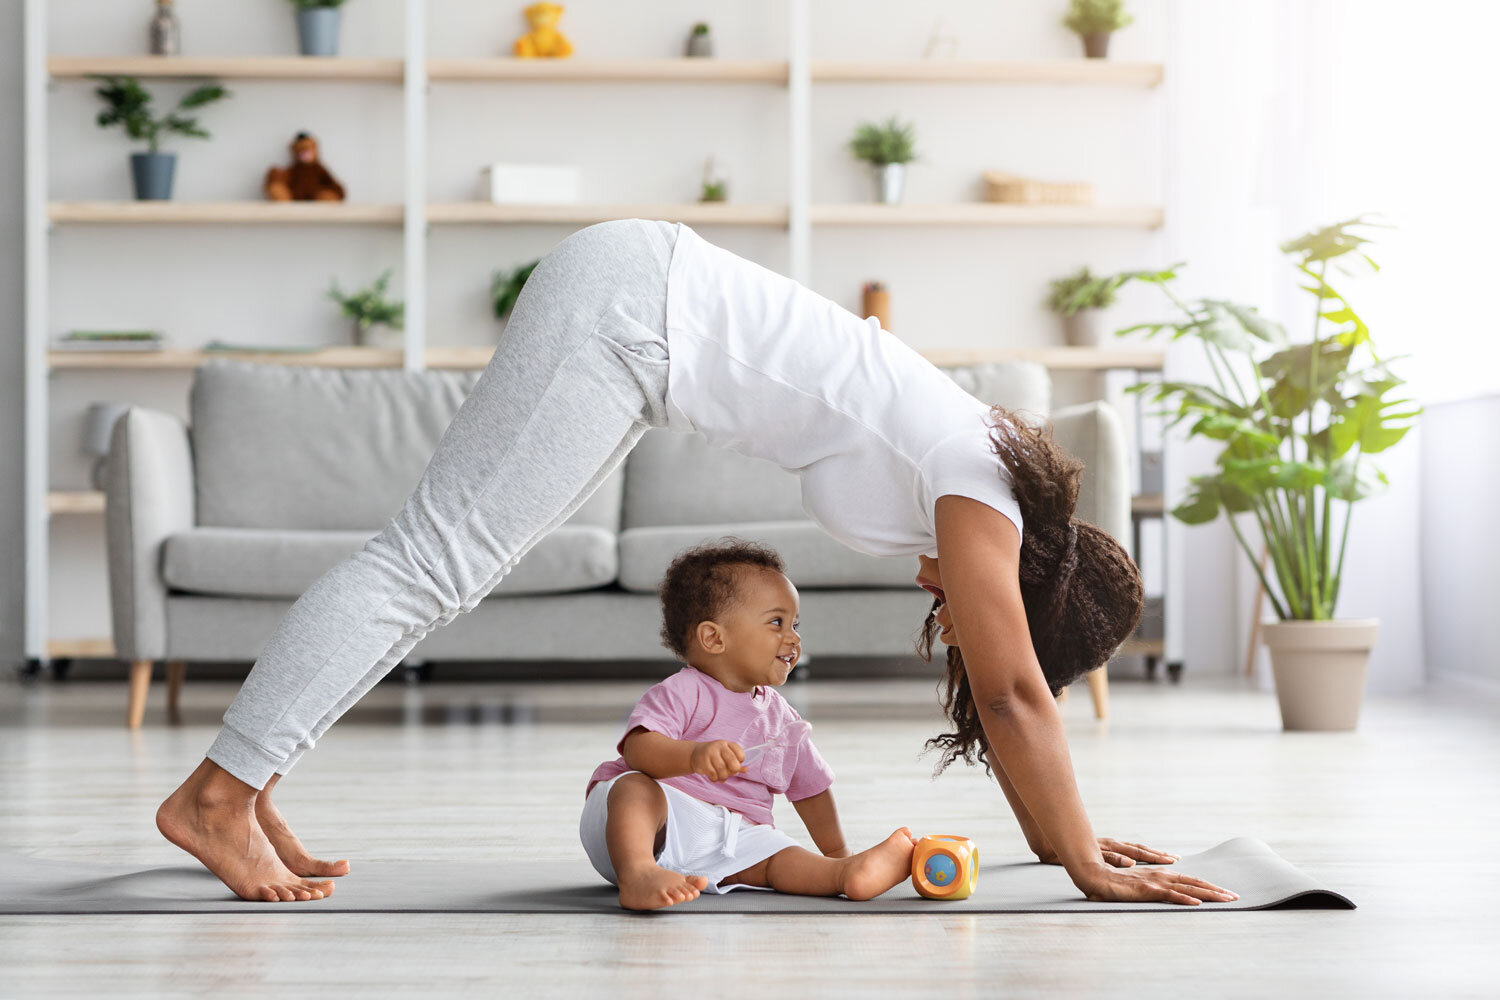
(944,867)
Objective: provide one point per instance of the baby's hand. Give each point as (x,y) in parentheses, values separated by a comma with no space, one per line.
(718,759)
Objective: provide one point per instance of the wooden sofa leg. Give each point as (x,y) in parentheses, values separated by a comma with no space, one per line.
(140,686)
(1099,688)
(176,672)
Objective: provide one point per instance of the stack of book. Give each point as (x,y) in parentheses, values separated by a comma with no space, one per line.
(110,340)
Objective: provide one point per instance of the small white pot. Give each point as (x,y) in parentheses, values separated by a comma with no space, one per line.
(1320,670)
(889,178)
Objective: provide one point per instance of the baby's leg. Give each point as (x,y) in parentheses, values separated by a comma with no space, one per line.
(637,821)
(862,876)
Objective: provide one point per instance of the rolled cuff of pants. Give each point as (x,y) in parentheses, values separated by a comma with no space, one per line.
(247,761)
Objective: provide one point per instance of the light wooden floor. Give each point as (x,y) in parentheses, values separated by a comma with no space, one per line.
(1402,816)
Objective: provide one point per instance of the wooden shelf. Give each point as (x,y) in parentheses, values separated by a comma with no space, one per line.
(75,502)
(225,212)
(609,70)
(709,213)
(1148,505)
(982,213)
(81,649)
(465,358)
(1071,71)
(230,67)
(1144,647)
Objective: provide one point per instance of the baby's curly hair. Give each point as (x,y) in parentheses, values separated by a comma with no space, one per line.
(701,584)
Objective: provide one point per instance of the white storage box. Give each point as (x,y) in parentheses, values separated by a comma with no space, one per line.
(530,184)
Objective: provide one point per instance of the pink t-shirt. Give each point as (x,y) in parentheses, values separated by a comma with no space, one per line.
(690,705)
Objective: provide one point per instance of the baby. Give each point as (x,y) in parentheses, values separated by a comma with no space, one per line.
(685,808)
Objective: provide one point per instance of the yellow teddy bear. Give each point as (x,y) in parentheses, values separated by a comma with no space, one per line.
(544,41)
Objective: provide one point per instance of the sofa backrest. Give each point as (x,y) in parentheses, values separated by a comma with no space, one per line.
(673,478)
(324,448)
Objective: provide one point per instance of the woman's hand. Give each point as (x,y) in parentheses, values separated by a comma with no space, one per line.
(718,759)
(1118,853)
(1150,885)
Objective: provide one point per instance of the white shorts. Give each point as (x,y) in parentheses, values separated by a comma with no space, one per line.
(701,839)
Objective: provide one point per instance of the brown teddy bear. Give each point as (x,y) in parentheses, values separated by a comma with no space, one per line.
(544,40)
(306,179)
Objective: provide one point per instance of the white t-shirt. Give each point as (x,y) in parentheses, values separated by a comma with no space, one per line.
(763,366)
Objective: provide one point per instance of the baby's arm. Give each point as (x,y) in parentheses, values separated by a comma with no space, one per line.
(663,757)
(821,817)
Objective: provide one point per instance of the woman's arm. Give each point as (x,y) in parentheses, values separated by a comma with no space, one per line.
(821,817)
(979,550)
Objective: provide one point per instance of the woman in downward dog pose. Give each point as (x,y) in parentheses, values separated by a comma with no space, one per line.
(636,324)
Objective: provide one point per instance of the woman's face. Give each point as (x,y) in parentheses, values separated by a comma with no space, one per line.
(930,579)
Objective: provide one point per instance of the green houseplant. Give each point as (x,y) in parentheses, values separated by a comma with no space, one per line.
(128,104)
(369,308)
(1077,298)
(505,287)
(1297,433)
(318,26)
(1094,21)
(887,148)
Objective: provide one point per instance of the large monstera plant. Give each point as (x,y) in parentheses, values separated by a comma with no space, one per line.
(1299,421)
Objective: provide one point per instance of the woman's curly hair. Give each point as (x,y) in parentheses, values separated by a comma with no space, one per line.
(1082,592)
(700,585)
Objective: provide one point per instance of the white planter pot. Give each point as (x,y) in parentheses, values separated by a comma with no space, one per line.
(1320,670)
(889,178)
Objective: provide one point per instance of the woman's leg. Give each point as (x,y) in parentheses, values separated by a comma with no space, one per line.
(580,374)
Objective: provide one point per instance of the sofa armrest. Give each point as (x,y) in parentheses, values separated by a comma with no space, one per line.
(149,496)
(1093,432)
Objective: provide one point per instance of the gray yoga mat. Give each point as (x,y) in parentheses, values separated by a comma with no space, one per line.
(1262,878)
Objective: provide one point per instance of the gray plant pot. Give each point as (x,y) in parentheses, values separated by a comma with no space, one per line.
(318,31)
(700,46)
(889,179)
(1096,46)
(1320,670)
(1082,329)
(152,175)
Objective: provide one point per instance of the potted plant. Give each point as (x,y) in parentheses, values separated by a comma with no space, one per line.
(369,308)
(700,44)
(505,287)
(1078,298)
(128,104)
(887,148)
(1094,21)
(1297,434)
(318,26)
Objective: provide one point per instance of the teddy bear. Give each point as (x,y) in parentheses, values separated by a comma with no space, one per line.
(306,179)
(544,41)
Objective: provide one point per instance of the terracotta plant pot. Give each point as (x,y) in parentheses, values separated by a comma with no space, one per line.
(1096,46)
(1320,670)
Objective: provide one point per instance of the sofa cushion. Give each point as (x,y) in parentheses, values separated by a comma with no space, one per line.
(673,478)
(1016,385)
(814,560)
(251,562)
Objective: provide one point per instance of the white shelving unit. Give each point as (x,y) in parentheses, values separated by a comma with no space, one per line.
(797,74)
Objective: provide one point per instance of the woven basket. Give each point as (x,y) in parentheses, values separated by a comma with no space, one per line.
(1016,190)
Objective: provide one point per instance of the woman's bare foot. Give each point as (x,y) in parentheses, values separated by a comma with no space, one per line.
(652,887)
(883,867)
(288,848)
(212,817)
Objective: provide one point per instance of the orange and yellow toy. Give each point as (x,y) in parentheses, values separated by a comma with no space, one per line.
(944,867)
(544,41)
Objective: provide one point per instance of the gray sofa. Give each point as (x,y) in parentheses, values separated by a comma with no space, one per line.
(215,528)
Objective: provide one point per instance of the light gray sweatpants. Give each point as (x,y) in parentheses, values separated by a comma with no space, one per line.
(580,374)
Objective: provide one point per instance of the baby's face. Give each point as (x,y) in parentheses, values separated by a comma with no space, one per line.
(761,644)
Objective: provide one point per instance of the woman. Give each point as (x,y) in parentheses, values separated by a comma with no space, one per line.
(894,459)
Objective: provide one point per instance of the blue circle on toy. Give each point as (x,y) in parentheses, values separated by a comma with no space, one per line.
(940,869)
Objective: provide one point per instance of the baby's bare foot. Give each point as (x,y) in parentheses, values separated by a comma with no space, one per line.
(288,848)
(883,867)
(652,887)
(222,834)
